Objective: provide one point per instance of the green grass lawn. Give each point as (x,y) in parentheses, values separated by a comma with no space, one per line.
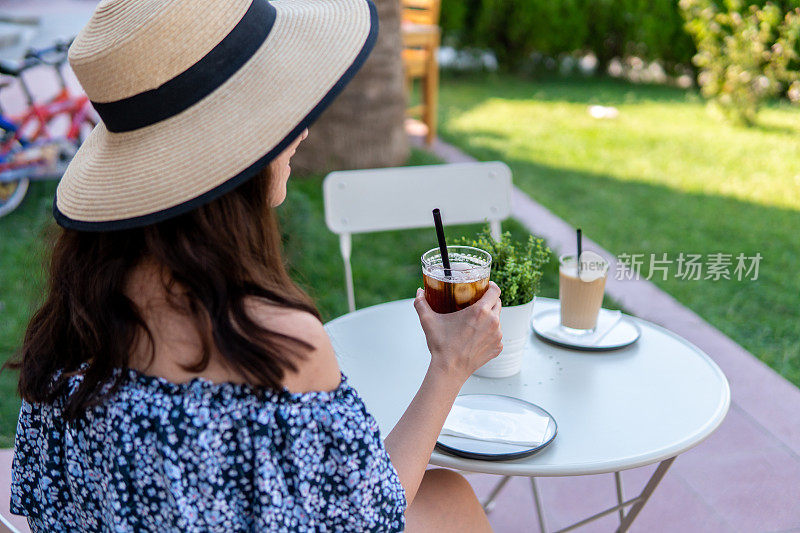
(385,266)
(666,176)
(22,234)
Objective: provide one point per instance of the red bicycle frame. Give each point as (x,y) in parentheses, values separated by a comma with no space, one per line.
(33,123)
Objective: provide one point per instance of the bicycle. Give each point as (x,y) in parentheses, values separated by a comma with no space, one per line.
(83,118)
(30,131)
(20,162)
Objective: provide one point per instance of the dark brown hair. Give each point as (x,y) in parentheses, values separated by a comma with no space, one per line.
(220,255)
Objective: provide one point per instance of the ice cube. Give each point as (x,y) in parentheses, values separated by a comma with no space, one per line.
(481,286)
(434,284)
(464,292)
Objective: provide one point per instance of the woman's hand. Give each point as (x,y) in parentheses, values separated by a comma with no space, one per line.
(463,341)
(460,343)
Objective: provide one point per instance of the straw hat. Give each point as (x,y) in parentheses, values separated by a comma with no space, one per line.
(196,96)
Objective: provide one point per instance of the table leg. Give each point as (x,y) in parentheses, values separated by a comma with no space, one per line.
(626,520)
(597,516)
(489,503)
(635,503)
(539,507)
(618,480)
(645,495)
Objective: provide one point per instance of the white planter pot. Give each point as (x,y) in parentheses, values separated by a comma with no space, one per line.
(515,324)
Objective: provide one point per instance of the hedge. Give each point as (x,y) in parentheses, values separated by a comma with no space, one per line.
(513,29)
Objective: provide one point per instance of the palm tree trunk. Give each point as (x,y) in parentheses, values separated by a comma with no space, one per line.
(364,127)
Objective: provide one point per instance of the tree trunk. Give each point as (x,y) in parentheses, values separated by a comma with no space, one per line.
(364,127)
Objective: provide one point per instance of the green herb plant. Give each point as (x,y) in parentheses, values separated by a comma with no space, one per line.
(516,268)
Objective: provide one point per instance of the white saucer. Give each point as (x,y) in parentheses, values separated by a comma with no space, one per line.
(495,451)
(546,325)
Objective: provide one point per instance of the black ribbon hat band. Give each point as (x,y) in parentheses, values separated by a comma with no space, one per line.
(196,82)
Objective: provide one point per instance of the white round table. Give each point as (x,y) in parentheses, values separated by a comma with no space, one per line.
(615,410)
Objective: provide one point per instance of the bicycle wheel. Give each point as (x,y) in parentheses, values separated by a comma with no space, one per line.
(11,195)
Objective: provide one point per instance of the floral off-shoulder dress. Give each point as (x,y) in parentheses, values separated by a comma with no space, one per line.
(203,456)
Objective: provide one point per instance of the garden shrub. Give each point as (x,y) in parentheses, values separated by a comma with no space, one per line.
(746,54)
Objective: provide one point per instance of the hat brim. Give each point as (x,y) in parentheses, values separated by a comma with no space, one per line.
(131,179)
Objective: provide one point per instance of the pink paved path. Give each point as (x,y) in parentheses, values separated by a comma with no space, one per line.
(745,477)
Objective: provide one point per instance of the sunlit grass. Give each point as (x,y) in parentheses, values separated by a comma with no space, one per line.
(664,176)
(677,143)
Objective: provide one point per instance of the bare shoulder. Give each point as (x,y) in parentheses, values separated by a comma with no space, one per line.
(319,369)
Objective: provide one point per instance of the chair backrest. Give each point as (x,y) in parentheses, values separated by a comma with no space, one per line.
(421,11)
(363,201)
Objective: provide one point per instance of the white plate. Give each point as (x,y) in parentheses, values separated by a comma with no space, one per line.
(495,451)
(546,323)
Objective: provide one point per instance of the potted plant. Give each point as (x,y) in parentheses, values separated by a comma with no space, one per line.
(517,270)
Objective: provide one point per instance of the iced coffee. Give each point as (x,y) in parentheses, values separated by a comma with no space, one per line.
(451,289)
(580,290)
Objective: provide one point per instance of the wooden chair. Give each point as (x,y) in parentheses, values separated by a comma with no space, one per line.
(421,11)
(421,38)
(363,201)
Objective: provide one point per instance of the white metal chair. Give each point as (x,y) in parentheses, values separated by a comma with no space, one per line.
(363,201)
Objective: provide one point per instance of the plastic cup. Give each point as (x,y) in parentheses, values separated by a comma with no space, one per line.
(464,284)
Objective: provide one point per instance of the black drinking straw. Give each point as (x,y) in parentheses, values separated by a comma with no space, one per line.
(437,221)
(580,246)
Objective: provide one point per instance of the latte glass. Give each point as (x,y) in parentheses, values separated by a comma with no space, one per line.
(581,291)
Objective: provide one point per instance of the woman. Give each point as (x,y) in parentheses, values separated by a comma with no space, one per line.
(175,378)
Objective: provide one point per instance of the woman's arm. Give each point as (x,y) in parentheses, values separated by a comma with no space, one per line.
(460,343)
(411,441)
